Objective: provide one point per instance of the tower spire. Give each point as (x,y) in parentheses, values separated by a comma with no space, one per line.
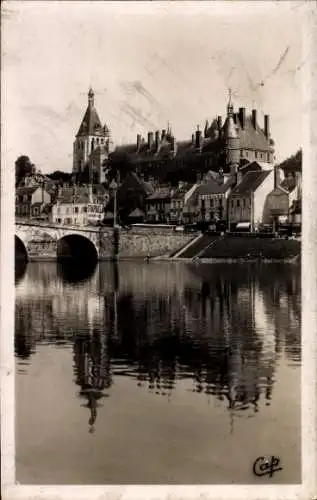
(230,105)
(91,96)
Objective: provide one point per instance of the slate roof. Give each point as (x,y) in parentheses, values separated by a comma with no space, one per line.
(26,190)
(250,182)
(250,137)
(81,194)
(132,180)
(137,213)
(213,187)
(162,193)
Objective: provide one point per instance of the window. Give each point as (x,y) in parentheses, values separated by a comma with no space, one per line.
(243,203)
(256,155)
(76,210)
(246,154)
(232,203)
(238,203)
(85,209)
(212,202)
(241,153)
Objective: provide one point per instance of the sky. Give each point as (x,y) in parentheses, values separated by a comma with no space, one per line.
(149,63)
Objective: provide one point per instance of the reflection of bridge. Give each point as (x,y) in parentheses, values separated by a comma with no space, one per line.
(48,241)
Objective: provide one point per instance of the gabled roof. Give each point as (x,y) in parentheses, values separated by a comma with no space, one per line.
(26,190)
(80,194)
(252,166)
(137,213)
(132,180)
(162,193)
(214,187)
(250,182)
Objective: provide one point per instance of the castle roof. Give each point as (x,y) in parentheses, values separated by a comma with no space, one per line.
(252,137)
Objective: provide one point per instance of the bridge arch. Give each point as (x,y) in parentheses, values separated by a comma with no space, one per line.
(21,253)
(77,247)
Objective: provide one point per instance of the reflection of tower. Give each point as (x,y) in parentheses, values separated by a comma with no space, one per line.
(92,369)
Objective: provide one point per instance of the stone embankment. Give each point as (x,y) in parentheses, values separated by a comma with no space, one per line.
(242,248)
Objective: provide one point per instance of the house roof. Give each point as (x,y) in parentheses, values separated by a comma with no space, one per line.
(132,180)
(26,190)
(250,182)
(213,187)
(137,213)
(279,190)
(162,193)
(80,194)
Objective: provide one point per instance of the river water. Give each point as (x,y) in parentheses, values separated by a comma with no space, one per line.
(157,373)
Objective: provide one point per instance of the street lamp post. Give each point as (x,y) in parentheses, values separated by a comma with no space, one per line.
(114,187)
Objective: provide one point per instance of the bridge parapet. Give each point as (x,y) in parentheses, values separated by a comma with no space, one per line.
(42,240)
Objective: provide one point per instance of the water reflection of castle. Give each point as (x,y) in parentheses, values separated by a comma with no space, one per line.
(225,331)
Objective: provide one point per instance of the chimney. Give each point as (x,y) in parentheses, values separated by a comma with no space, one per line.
(254,118)
(138,142)
(173,145)
(277,177)
(219,120)
(193,139)
(220,176)
(198,138)
(239,176)
(163,134)
(242,117)
(90,198)
(267,126)
(206,129)
(150,140)
(157,140)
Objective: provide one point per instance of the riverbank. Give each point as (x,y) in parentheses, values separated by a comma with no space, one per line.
(229,248)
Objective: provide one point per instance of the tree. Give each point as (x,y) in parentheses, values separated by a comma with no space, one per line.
(23,168)
(118,162)
(294,162)
(58,175)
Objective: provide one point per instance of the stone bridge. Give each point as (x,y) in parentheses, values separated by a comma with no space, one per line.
(37,241)
(45,241)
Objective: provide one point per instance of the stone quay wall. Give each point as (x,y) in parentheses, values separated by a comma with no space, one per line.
(140,242)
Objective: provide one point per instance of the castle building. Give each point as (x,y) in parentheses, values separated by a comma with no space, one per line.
(91,147)
(228,146)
